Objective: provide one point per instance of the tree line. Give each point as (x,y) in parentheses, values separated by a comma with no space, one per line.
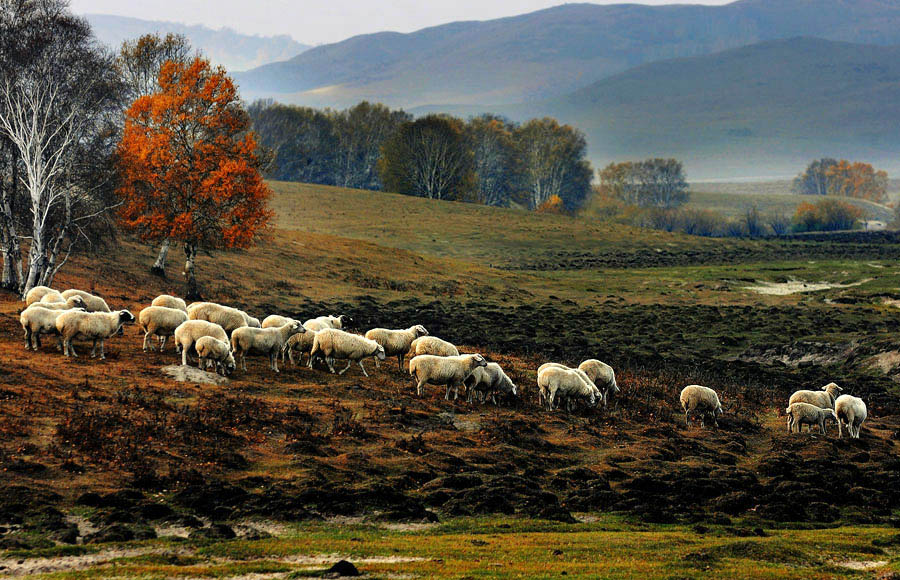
(829,176)
(486,159)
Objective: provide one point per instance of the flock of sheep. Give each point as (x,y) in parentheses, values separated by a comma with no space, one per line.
(222,336)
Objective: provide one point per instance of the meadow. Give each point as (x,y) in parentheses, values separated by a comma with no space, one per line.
(306,468)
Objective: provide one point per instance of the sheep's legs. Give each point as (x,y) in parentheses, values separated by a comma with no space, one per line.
(329,360)
(420,387)
(70,349)
(146,340)
(162,345)
(273,361)
(362,366)
(400,361)
(184,360)
(102,349)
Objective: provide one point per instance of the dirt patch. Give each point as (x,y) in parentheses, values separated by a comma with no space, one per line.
(797,287)
(886,362)
(862,565)
(30,566)
(189,374)
(801,354)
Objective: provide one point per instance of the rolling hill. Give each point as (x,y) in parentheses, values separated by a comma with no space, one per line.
(550,52)
(226,47)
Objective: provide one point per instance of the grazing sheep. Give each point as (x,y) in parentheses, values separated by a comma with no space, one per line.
(396,342)
(801,414)
(573,384)
(851,411)
(544,394)
(251,321)
(333,343)
(602,375)
(225,316)
(93,303)
(268,341)
(217,351)
(187,334)
(301,343)
(702,400)
(71,303)
(489,381)
(37,320)
(824,398)
(36,294)
(160,321)
(51,297)
(432,345)
(170,302)
(451,371)
(338,322)
(96,326)
(274,321)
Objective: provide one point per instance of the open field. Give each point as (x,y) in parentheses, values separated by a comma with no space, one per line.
(317,466)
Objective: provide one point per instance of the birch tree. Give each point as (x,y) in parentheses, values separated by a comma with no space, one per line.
(555,164)
(498,169)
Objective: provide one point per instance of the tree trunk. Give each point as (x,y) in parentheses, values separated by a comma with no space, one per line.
(193,291)
(12,266)
(159,267)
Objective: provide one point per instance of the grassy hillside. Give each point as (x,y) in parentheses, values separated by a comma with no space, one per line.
(348,466)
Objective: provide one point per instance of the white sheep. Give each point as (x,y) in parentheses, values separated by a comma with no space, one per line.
(489,381)
(851,411)
(160,321)
(71,303)
(333,343)
(36,294)
(217,351)
(51,297)
(544,393)
(801,414)
(268,341)
(96,326)
(700,400)
(338,322)
(37,320)
(432,345)
(824,398)
(451,371)
(274,321)
(396,342)
(170,301)
(573,384)
(93,303)
(251,321)
(602,375)
(187,334)
(301,343)
(225,316)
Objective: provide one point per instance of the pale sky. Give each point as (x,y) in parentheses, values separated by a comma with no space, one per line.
(324,21)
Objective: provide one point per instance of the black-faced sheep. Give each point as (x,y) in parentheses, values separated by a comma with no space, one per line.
(451,371)
(96,326)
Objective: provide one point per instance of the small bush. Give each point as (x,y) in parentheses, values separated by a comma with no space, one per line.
(827,215)
(553,205)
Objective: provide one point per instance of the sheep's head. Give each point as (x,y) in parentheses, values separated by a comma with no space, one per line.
(419,330)
(228,365)
(479,360)
(832,389)
(379,353)
(126,317)
(297,328)
(718,412)
(615,386)
(76,302)
(592,398)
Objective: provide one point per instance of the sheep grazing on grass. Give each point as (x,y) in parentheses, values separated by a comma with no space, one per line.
(37,320)
(161,322)
(851,412)
(169,301)
(824,398)
(225,316)
(274,321)
(396,342)
(322,322)
(92,303)
(701,401)
(602,375)
(268,341)
(801,414)
(432,345)
(300,343)
(556,381)
(70,304)
(37,293)
(333,343)
(190,331)
(96,326)
(451,371)
(213,350)
(544,393)
(489,381)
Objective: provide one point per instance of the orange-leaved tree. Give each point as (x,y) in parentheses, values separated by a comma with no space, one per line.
(188,165)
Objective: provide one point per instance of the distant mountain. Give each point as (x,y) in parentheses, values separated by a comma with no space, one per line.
(234,51)
(551,52)
(767,107)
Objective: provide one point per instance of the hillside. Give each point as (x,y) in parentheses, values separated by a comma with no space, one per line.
(234,51)
(549,52)
(308,467)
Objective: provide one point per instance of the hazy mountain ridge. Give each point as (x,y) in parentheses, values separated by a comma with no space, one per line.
(226,47)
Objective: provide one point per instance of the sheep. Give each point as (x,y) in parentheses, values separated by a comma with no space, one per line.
(160,321)
(225,316)
(333,343)
(800,414)
(432,345)
(274,321)
(70,304)
(94,303)
(217,351)
(339,322)
(702,400)
(52,297)
(267,341)
(602,375)
(36,294)
(451,371)
(544,394)
(396,342)
(251,321)
(96,326)
(824,398)
(37,320)
(188,332)
(489,380)
(851,411)
(301,343)
(570,383)
(170,302)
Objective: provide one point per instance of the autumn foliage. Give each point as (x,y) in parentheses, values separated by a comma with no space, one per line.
(188,164)
(553,205)
(827,215)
